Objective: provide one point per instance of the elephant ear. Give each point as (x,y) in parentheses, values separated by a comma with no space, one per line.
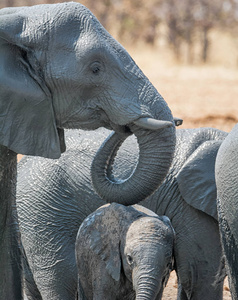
(27,122)
(104,238)
(196,179)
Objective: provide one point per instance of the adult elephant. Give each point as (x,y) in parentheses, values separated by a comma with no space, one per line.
(55,197)
(227,191)
(59,68)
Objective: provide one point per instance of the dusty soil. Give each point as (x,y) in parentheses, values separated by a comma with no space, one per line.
(200,95)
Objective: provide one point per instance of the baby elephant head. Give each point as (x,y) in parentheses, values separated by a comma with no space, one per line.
(124,251)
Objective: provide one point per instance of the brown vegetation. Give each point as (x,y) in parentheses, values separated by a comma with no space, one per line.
(203,95)
(185,26)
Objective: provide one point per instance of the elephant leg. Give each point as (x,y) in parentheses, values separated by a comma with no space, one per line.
(230,248)
(181,293)
(50,288)
(80,293)
(198,256)
(159,296)
(10,253)
(54,269)
(30,286)
(199,288)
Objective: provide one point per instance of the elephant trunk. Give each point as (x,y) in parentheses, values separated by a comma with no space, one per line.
(156,148)
(147,288)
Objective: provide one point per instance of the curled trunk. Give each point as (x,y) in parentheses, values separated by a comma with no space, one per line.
(156,148)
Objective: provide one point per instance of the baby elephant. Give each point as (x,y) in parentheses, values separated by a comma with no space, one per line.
(124,252)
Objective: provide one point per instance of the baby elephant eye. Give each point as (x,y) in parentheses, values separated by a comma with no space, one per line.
(95,68)
(129,259)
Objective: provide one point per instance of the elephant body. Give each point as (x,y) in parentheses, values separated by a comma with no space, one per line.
(124,252)
(54,197)
(60,69)
(227,191)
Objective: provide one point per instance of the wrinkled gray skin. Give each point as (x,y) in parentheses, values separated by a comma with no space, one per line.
(59,68)
(227,192)
(124,252)
(55,196)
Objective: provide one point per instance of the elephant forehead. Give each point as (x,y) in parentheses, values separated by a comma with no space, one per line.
(145,229)
(62,22)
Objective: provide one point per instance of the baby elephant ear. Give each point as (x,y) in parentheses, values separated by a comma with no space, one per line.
(103,230)
(27,123)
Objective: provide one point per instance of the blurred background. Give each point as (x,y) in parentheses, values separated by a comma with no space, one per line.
(187,48)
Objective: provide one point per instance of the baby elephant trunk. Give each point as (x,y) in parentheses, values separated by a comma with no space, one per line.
(147,279)
(148,288)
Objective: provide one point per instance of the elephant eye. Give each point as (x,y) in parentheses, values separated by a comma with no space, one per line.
(95,68)
(129,259)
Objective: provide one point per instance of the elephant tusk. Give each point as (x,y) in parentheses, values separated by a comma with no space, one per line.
(178,121)
(152,124)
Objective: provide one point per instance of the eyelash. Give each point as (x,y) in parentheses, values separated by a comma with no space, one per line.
(96,70)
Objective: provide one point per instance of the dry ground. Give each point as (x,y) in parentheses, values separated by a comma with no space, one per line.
(201,95)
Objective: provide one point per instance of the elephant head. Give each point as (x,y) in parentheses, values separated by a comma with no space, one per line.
(61,69)
(130,250)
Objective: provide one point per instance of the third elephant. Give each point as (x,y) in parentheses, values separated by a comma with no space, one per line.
(56,196)
(227,191)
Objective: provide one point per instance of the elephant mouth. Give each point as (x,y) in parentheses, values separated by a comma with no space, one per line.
(143,122)
(120,129)
(61,139)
